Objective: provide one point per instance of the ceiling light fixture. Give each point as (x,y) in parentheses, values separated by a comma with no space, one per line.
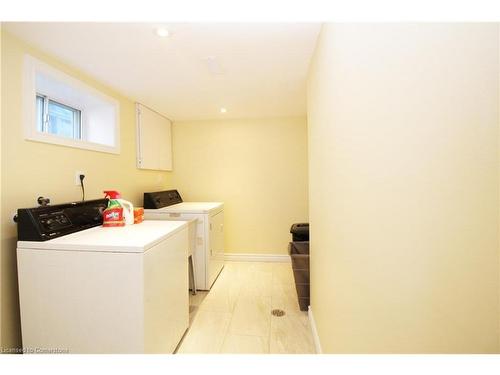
(162,32)
(223,110)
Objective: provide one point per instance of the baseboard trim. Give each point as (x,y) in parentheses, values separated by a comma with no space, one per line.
(241,257)
(312,322)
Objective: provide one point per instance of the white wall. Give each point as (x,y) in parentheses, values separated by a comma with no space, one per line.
(0,186)
(403,193)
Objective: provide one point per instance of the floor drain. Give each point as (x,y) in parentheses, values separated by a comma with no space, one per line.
(278,312)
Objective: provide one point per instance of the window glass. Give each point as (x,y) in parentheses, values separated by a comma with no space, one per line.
(63,120)
(58,119)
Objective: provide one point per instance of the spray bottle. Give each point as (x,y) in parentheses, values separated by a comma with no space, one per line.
(119,211)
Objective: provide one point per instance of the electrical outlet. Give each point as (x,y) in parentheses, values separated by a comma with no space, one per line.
(77,177)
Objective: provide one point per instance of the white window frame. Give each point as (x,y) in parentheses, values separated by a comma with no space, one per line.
(46,118)
(31,133)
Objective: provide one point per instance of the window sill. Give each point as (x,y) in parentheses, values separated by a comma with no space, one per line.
(66,142)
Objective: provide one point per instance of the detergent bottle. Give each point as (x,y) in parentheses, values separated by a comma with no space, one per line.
(119,211)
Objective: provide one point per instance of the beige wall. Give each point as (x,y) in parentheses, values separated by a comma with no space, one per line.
(0,185)
(30,169)
(403,194)
(258,168)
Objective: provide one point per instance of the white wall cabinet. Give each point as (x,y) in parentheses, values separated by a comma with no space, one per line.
(154,140)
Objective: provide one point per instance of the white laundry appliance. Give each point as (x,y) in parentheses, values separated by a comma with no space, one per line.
(209,216)
(100,290)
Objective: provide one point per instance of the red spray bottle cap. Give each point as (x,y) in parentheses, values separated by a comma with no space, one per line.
(111,194)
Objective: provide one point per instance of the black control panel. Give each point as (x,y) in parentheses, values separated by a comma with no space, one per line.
(46,222)
(54,221)
(160,199)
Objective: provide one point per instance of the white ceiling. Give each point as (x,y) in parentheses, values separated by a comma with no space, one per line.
(252,69)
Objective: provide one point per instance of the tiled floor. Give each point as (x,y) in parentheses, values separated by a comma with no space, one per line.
(235,316)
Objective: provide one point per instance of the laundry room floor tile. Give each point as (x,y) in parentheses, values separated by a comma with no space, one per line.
(206,333)
(194,304)
(291,334)
(251,316)
(245,344)
(235,315)
(198,298)
(222,297)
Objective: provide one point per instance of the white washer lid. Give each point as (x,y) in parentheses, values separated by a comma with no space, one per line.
(189,207)
(135,238)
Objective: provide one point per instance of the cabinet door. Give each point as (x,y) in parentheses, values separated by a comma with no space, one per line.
(154,140)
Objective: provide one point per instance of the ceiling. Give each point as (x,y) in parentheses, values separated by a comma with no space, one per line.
(251,69)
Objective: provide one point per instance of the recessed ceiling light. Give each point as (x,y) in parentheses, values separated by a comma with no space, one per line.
(223,110)
(162,32)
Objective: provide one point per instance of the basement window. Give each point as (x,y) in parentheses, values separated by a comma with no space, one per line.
(57,118)
(62,110)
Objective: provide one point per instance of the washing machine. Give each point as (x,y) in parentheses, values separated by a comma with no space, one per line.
(84,288)
(209,241)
